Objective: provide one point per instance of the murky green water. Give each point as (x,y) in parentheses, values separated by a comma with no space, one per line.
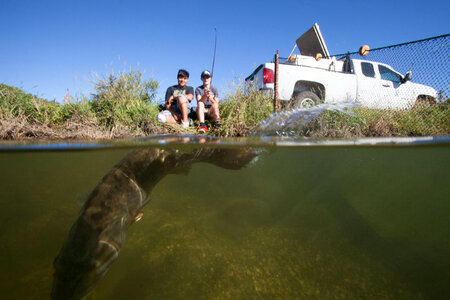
(301,222)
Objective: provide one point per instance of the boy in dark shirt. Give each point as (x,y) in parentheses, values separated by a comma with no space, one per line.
(207,102)
(177,99)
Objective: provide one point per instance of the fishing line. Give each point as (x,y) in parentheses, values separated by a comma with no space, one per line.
(214,57)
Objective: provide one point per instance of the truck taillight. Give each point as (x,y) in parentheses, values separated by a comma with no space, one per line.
(267,75)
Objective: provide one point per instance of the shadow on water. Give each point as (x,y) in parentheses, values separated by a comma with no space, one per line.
(98,234)
(422,275)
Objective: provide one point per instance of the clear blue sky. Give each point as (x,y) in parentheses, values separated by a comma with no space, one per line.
(49,46)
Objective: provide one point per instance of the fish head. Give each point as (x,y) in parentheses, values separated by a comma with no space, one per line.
(82,263)
(76,280)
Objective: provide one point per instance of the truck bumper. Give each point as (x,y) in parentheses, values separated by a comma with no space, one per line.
(267,92)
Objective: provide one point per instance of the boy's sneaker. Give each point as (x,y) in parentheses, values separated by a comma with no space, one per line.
(202,129)
(185,124)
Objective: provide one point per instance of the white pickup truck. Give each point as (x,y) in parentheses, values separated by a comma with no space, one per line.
(305,80)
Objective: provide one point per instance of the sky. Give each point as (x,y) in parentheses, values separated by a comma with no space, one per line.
(47,47)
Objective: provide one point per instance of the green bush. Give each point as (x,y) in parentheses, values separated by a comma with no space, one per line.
(124,99)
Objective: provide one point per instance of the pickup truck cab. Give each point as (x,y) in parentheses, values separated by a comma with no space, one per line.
(305,81)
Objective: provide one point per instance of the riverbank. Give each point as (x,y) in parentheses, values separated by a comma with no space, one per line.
(124,106)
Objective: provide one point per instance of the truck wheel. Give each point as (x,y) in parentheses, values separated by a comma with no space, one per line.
(304,99)
(424,100)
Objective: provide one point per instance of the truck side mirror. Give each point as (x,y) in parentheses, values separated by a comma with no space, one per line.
(408,76)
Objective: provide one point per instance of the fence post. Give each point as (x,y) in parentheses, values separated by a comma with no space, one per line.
(275,100)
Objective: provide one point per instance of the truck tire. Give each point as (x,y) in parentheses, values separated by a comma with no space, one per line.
(304,99)
(424,100)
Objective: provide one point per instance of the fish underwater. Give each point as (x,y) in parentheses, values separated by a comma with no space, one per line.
(98,234)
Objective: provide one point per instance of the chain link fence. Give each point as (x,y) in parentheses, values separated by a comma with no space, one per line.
(403,89)
(428,59)
(428,62)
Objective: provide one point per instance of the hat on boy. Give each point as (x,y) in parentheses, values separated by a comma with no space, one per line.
(205,73)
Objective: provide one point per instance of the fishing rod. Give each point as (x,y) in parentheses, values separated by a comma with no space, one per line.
(214,57)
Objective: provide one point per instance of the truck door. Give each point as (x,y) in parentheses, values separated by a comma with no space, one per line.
(369,89)
(395,93)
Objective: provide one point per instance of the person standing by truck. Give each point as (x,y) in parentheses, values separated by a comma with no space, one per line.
(207,102)
(177,101)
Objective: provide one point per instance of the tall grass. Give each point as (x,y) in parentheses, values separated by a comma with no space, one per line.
(242,110)
(125,100)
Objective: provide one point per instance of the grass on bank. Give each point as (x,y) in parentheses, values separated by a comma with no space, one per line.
(124,105)
(242,110)
(124,100)
(422,120)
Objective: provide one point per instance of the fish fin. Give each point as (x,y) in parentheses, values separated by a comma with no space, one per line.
(138,217)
